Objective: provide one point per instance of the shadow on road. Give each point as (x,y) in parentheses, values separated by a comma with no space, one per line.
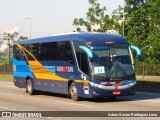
(52,94)
(145,91)
(148,86)
(138,97)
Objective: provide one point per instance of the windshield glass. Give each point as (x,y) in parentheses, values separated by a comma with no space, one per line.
(112,61)
(104,62)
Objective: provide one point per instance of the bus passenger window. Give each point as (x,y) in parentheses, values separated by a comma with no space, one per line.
(68,53)
(82,58)
(59,51)
(83,62)
(17,53)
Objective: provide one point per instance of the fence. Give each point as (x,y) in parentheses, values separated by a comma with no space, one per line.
(142,68)
(6,69)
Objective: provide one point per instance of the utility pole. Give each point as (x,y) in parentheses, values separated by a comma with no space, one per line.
(30,27)
(123,18)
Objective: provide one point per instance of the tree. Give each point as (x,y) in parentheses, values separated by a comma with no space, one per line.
(9,37)
(119,18)
(142,29)
(133,5)
(96,19)
(141,22)
(124,12)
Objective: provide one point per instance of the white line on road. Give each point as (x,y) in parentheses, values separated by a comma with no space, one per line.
(152,100)
(5,108)
(49,118)
(6,93)
(75,104)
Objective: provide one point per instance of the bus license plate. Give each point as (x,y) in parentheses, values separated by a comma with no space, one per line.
(116,92)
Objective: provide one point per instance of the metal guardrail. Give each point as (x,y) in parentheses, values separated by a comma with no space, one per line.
(148,78)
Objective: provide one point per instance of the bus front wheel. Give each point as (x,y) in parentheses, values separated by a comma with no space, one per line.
(29,87)
(73,92)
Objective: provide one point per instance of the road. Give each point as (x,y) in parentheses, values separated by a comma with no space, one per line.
(15,99)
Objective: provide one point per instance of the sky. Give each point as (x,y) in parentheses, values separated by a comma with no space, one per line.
(46,17)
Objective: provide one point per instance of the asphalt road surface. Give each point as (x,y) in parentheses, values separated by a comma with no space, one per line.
(15,99)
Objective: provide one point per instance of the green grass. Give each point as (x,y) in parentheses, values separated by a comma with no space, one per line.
(6,77)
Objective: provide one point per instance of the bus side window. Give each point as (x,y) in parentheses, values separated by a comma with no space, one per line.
(82,58)
(65,50)
(68,53)
(58,51)
(17,53)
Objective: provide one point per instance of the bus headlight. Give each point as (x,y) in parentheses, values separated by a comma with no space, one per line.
(132,84)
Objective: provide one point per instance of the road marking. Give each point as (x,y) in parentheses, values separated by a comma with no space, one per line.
(152,100)
(75,104)
(49,118)
(6,93)
(5,108)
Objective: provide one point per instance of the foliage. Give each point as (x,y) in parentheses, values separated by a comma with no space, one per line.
(118,16)
(9,37)
(143,28)
(140,21)
(6,61)
(23,38)
(96,19)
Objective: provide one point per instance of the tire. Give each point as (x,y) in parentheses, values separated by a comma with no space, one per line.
(73,92)
(29,87)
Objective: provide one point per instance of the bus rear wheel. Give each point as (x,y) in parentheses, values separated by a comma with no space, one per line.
(73,92)
(29,87)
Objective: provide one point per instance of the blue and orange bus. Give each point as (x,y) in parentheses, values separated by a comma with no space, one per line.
(88,65)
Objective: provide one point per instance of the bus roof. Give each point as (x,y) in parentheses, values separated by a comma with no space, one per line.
(96,38)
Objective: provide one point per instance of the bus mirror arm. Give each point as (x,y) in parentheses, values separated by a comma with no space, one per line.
(88,51)
(139,53)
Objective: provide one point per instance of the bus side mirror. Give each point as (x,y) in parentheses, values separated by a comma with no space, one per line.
(88,51)
(139,53)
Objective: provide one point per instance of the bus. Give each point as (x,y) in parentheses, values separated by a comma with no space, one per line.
(81,65)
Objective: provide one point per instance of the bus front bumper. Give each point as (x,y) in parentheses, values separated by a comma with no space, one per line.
(108,91)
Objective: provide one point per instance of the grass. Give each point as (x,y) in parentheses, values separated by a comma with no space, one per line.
(6,77)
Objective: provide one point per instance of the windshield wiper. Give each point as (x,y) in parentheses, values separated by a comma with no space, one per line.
(115,67)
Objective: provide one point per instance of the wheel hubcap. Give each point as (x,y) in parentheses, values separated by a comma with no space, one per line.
(74,91)
(29,87)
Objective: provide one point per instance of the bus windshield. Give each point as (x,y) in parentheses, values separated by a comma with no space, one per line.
(111,62)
